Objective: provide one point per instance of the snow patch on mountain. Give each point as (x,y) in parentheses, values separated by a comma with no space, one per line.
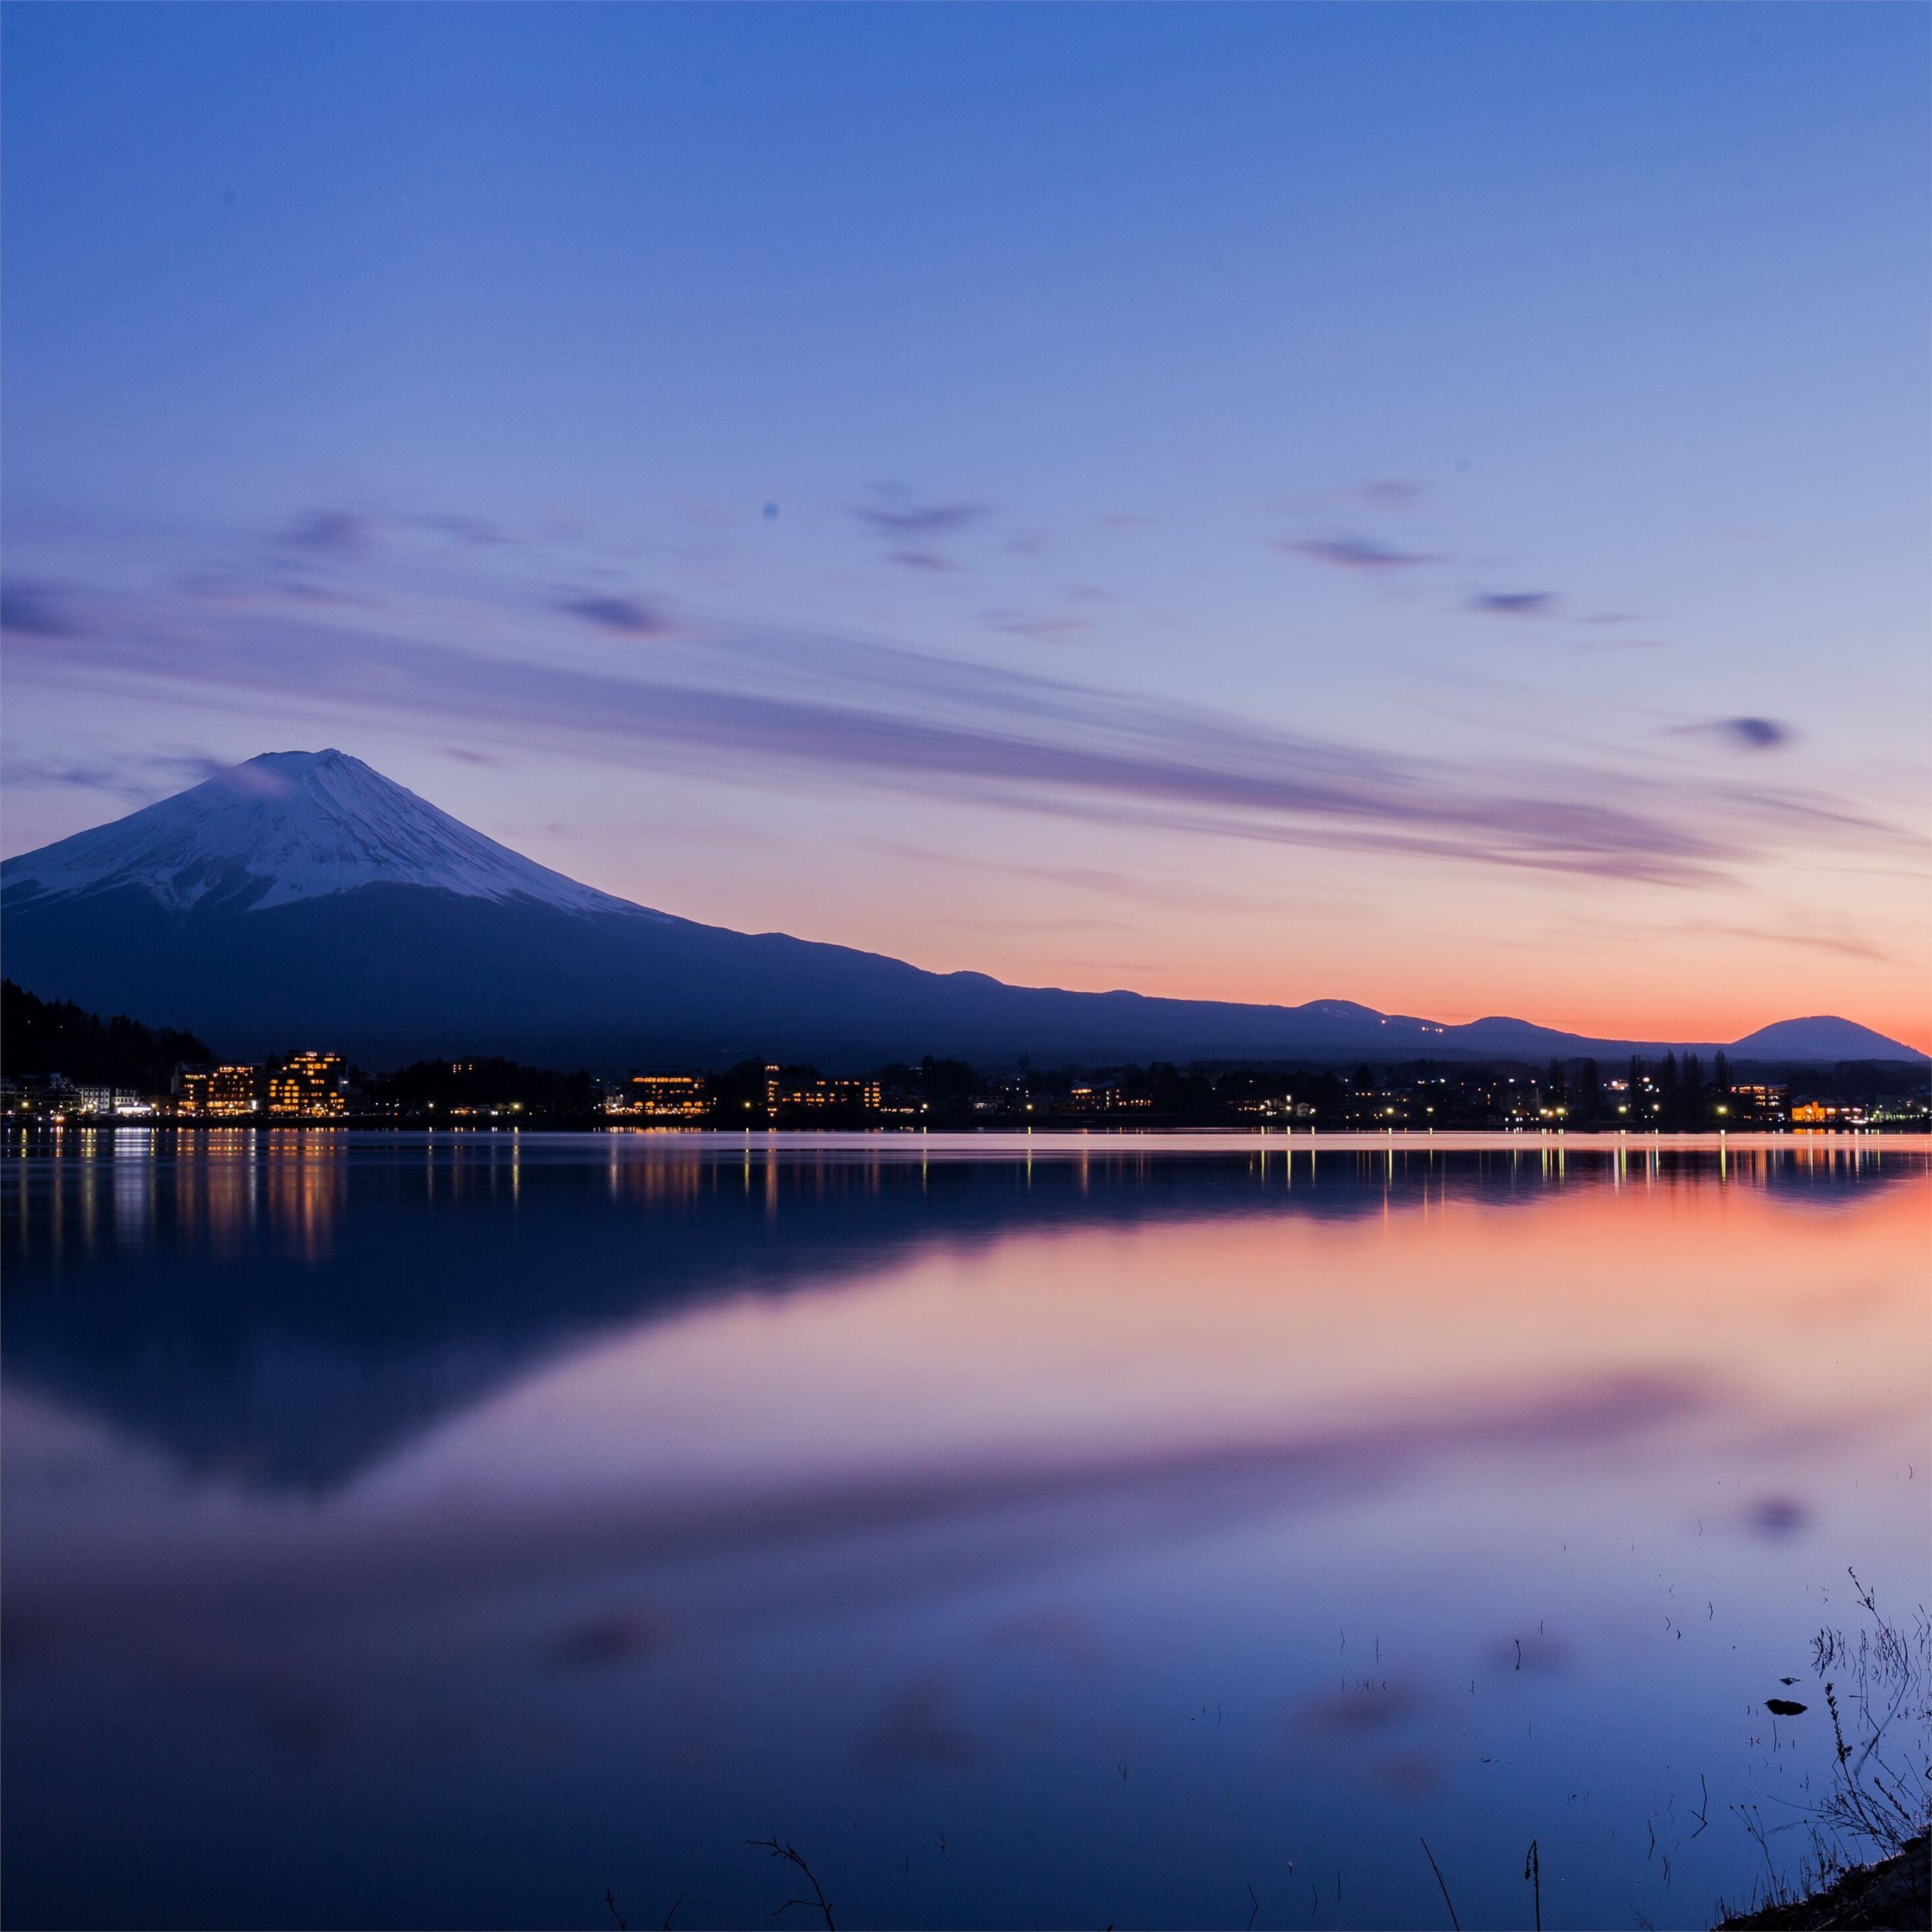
(289,827)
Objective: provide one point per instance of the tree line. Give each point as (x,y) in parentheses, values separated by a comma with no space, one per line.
(1671,1094)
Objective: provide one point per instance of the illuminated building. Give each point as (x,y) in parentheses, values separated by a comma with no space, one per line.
(308,1084)
(1813,1113)
(867,1094)
(662,1096)
(1104,1096)
(216,1092)
(110,1100)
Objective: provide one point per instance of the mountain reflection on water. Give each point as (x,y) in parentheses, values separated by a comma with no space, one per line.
(240,1316)
(410,1530)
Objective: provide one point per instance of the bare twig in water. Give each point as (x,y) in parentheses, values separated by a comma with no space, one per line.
(818,1902)
(1752,1819)
(1703,1822)
(1258,1907)
(672,1912)
(1532,1870)
(615,1913)
(1446,1900)
(1879,1790)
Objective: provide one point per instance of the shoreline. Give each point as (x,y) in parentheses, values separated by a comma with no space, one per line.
(1893,1895)
(1264,1140)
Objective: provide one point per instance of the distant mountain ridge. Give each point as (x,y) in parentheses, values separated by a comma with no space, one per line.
(304,899)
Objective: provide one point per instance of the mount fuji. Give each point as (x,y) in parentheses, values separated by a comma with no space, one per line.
(292,826)
(303,898)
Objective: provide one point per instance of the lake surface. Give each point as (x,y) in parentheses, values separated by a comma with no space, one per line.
(1065,1532)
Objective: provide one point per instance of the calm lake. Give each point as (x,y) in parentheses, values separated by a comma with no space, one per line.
(1068,1532)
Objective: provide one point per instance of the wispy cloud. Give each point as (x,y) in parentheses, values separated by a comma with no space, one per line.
(477,531)
(922,560)
(1516,603)
(1845,946)
(1019,624)
(628,616)
(339,532)
(919,519)
(34,611)
(1164,891)
(848,711)
(1741,734)
(530,667)
(1358,553)
(1391,493)
(913,530)
(1603,647)
(155,775)
(1384,495)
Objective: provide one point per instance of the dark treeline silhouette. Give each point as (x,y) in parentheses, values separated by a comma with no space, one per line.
(1671,1094)
(447,1087)
(42,1037)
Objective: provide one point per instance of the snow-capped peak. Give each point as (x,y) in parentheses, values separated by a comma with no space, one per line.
(289,827)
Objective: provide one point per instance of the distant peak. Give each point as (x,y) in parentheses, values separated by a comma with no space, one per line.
(295,763)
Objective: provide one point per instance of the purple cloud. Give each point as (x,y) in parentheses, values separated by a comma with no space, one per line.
(1844,946)
(1742,734)
(1392,492)
(927,520)
(1755,734)
(847,712)
(922,559)
(1018,624)
(141,779)
(477,532)
(28,608)
(1515,603)
(1357,553)
(339,532)
(627,616)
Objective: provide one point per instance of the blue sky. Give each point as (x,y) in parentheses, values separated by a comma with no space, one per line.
(1493,407)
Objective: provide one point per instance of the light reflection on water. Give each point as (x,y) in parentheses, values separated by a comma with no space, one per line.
(1065,1532)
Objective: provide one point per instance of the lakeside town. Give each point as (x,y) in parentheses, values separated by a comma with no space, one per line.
(65,1064)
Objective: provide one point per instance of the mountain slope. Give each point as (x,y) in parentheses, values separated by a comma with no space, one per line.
(303,899)
(290,826)
(1823,1036)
